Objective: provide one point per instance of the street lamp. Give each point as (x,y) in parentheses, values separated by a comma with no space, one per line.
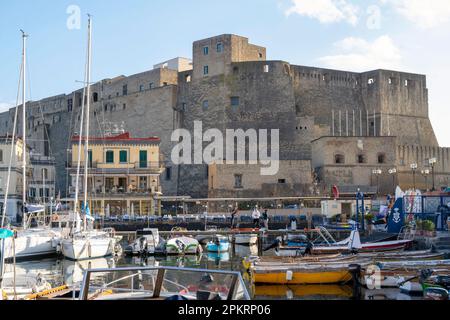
(425,174)
(432,163)
(393,172)
(377,173)
(414,168)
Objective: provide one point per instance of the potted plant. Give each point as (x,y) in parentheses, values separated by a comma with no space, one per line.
(369,221)
(429,228)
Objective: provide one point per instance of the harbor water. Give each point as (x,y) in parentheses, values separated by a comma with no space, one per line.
(58,272)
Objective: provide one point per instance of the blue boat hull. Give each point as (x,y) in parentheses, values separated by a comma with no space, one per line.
(213,247)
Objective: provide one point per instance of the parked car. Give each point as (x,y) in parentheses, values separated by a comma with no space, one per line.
(126,218)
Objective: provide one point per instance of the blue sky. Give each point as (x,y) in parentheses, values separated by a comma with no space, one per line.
(131,36)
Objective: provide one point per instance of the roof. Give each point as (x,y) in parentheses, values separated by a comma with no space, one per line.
(124,137)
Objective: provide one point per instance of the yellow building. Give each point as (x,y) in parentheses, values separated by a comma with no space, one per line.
(123,174)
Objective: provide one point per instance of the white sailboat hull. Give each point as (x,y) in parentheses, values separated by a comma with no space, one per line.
(32,243)
(87,248)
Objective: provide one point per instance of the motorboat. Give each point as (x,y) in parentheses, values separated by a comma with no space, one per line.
(218,244)
(163,283)
(180,246)
(146,243)
(351,244)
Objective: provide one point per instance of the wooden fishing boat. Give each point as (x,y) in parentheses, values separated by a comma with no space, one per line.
(301,275)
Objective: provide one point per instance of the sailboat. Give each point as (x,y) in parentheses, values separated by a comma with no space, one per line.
(30,242)
(86,243)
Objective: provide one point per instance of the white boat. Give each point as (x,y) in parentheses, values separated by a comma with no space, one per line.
(89,244)
(29,242)
(146,243)
(182,246)
(246,239)
(32,243)
(86,243)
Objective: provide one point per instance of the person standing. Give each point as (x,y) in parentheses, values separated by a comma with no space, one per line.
(256,215)
(265,218)
(233,216)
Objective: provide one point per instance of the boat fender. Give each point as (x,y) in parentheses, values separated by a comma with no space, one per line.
(289,275)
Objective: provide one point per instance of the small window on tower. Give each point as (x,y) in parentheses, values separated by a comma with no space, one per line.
(266,68)
(219,47)
(205,51)
(205,70)
(339,159)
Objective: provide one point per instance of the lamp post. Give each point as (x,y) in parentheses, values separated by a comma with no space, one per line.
(414,168)
(432,163)
(377,173)
(393,172)
(425,174)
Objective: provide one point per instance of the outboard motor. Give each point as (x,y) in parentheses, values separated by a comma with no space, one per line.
(143,249)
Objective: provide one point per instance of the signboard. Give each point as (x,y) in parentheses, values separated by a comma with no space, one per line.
(396,219)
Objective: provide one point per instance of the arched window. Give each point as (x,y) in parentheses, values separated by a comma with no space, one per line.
(361,158)
(95,97)
(381,158)
(339,159)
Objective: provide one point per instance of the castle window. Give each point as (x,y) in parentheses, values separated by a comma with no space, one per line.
(260,55)
(361,158)
(69,105)
(390,80)
(371,81)
(219,47)
(187,78)
(234,101)
(238,181)
(183,106)
(205,105)
(150,86)
(205,51)
(235,70)
(95,97)
(124,106)
(106,107)
(1,155)
(282,181)
(141,88)
(168,173)
(381,158)
(266,68)
(339,159)
(125,90)
(205,70)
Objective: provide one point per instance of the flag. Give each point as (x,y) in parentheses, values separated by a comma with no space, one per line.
(5,233)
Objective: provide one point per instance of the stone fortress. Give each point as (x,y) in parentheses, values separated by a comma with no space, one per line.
(336,127)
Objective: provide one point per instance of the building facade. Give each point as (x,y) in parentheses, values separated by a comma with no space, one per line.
(41,187)
(232,85)
(123,174)
(14,204)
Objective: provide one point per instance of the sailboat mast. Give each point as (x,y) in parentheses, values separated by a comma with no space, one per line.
(24,135)
(88,104)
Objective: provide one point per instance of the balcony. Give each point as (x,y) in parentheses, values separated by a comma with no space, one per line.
(118,192)
(119,168)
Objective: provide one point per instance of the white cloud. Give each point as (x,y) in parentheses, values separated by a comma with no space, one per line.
(425,13)
(359,55)
(326,11)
